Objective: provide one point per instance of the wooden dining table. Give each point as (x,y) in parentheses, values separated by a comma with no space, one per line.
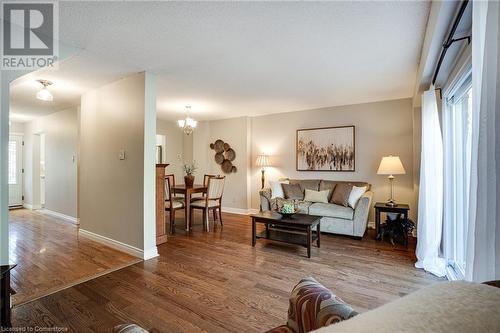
(188,192)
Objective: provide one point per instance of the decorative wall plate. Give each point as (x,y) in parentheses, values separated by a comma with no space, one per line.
(227,166)
(224,155)
(230,154)
(219,158)
(219,146)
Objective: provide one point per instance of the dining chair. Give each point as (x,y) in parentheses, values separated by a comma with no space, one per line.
(206,177)
(171,178)
(212,202)
(201,196)
(172,204)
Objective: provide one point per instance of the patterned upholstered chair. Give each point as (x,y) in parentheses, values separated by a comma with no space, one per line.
(129,328)
(313,306)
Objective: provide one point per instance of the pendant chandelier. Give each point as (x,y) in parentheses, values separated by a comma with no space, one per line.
(188,124)
(44,94)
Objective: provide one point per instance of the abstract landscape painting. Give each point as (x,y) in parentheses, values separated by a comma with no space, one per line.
(325,149)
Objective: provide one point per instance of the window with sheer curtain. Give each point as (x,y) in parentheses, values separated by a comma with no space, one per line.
(457,139)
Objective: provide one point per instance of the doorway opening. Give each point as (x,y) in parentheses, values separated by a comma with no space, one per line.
(15,170)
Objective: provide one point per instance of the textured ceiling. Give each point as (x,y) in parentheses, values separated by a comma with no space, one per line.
(229,59)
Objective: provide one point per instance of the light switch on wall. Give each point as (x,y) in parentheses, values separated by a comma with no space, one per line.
(121,154)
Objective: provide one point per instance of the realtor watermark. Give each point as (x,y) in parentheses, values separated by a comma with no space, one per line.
(30,34)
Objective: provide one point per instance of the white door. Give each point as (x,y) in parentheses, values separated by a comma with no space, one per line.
(15,170)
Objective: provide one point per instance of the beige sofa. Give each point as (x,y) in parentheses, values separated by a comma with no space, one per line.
(335,219)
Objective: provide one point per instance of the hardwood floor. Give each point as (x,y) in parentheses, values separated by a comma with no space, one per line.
(50,255)
(217,282)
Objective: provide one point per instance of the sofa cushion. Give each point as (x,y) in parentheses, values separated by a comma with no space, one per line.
(277,189)
(293,191)
(328,185)
(331,210)
(341,194)
(316,196)
(458,307)
(303,207)
(310,184)
(355,195)
(300,206)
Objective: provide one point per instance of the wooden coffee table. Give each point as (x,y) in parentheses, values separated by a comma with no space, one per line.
(296,229)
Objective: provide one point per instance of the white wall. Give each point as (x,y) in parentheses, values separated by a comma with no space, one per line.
(61,146)
(15,127)
(116,197)
(235,132)
(173,147)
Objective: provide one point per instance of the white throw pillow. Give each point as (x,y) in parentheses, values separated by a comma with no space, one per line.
(316,196)
(355,195)
(276,189)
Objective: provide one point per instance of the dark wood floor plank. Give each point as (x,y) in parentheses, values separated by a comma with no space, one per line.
(51,255)
(217,282)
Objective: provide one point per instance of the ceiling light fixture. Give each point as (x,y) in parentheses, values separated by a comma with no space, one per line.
(188,124)
(44,94)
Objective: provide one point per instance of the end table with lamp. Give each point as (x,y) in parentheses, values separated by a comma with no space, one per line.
(391,165)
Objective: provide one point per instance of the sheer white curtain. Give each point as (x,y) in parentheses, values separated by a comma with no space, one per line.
(430,201)
(483,237)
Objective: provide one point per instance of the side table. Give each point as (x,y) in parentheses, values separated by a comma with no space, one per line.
(5,296)
(381,207)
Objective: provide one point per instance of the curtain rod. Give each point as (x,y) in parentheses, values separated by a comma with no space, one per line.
(449,41)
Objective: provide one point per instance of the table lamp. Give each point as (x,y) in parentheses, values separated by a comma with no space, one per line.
(391,165)
(262,161)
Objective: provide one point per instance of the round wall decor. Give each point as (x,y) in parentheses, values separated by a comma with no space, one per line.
(224,155)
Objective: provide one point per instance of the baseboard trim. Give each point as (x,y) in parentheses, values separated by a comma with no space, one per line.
(150,253)
(31,207)
(71,219)
(241,211)
(132,250)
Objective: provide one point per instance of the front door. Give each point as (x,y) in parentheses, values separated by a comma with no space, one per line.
(15,170)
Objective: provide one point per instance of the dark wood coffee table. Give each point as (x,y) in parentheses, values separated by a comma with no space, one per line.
(296,229)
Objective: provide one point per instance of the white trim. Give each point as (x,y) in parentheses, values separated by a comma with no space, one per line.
(59,215)
(150,253)
(31,207)
(241,211)
(132,250)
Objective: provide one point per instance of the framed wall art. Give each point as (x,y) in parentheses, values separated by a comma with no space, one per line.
(325,149)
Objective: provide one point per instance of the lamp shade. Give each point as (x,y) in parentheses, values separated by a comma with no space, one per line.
(262,160)
(391,165)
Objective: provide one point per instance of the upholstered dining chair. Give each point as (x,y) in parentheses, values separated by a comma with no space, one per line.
(212,200)
(201,196)
(171,178)
(172,204)
(206,177)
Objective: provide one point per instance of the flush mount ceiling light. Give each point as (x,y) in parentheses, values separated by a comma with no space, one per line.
(188,124)
(44,94)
